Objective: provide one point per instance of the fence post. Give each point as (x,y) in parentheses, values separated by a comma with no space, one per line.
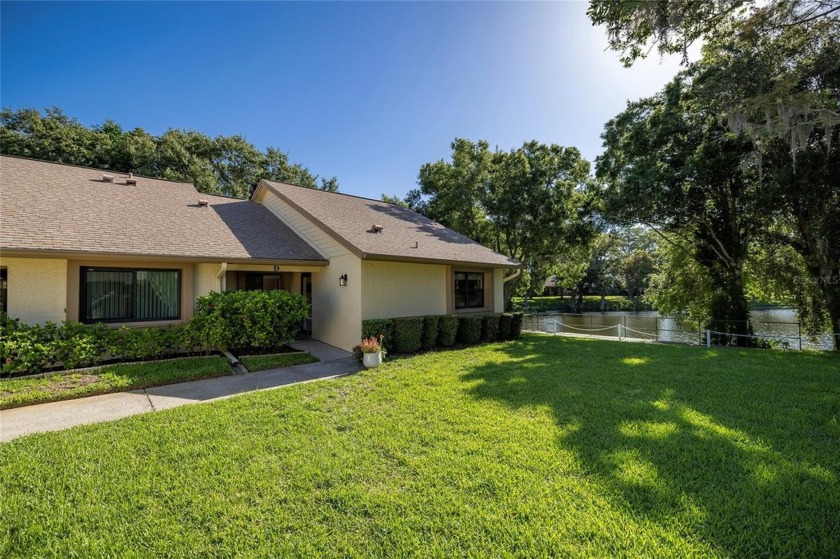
(799,327)
(708,338)
(619,332)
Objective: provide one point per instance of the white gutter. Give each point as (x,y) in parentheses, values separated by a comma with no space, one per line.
(513,276)
(220,277)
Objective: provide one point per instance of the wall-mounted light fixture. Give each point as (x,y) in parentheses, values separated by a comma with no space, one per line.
(342,280)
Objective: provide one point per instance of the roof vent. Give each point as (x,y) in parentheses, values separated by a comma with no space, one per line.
(376,228)
(203,203)
(107,178)
(416,245)
(131,179)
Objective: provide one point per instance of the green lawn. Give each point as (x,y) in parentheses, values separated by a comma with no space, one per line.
(24,392)
(544,447)
(263,362)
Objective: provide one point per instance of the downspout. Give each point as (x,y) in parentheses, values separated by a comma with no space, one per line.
(220,277)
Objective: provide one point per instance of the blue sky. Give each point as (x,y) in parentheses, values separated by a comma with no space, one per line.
(367,92)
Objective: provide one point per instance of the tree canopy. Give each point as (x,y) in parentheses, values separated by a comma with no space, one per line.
(227,165)
(532,203)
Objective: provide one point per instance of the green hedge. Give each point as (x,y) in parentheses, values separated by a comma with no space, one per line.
(408,334)
(258,320)
(229,320)
(376,327)
(505,326)
(430,332)
(490,328)
(516,325)
(469,329)
(447,330)
(26,349)
(412,334)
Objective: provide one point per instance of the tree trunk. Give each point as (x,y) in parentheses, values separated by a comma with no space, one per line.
(829,282)
(730,311)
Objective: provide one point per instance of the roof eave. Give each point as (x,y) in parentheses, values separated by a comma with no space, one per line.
(423,260)
(76,254)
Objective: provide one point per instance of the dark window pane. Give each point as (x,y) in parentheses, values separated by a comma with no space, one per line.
(469,290)
(460,300)
(108,295)
(126,295)
(4,277)
(158,294)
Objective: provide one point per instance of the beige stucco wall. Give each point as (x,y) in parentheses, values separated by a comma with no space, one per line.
(336,310)
(204,278)
(391,289)
(498,290)
(37,289)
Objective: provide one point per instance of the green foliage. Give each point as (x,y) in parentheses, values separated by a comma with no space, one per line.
(469,329)
(490,327)
(505,326)
(36,348)
(670,164)
(430,332)
(447,330)
(376,327)
(242,320)
(408,334)
(516,325)
(532,203)
(228,165)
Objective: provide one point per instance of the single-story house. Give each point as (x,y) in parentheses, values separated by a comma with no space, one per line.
(89,245)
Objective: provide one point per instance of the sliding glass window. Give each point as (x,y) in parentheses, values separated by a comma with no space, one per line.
(127,295)
(469,290)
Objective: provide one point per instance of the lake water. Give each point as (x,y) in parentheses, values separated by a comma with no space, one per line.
(779,325)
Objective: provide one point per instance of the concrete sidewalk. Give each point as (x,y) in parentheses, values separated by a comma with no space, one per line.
(56,416)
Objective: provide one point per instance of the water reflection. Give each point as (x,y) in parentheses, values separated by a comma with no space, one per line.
(779,325)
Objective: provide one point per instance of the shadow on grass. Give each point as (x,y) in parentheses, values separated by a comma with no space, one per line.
(740,449)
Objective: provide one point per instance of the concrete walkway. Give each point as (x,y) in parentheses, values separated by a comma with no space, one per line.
(56,416)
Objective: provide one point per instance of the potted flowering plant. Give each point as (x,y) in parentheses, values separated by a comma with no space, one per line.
(372,352)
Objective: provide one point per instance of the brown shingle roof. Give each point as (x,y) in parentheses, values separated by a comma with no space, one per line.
(405,235)
(63,208)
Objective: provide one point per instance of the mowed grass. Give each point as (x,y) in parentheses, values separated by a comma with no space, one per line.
(542,447)
(50,388)
(275,361)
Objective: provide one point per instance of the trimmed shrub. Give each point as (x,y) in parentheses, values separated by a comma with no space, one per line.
(133,344)
(408,334)
(430,332)
(376,327)
(469,329)
(516,325)
(505,324)
(31,349)
(490,328)
(257,320)
(447,330)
